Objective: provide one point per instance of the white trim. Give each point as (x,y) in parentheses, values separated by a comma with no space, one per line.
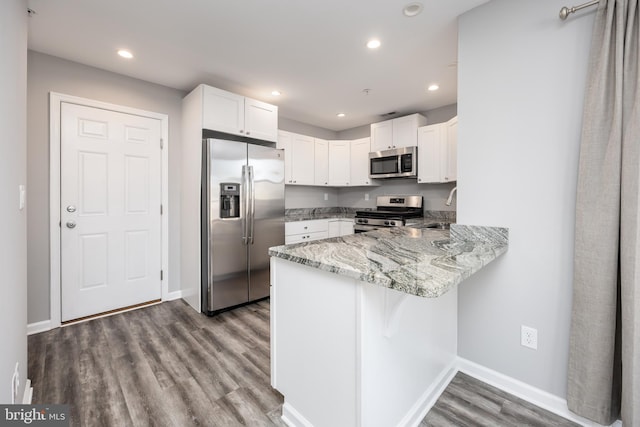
(524,391)
(173,295)
(420,409)
(36,328)
(28,393)
(293,418)
(55,99)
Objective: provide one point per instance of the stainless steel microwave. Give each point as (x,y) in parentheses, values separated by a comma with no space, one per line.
(395,163)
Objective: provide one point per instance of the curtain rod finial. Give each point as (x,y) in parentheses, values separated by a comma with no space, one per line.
(564,13)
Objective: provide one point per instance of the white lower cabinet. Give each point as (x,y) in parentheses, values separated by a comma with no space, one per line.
(305,231)
(315,229)
(340,227)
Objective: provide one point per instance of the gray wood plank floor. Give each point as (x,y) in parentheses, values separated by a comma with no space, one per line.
(166,365)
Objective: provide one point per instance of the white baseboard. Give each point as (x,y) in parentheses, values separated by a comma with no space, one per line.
(430,396)
(293,418)
(524,391)
(28,393)
(36,328)
(173,295)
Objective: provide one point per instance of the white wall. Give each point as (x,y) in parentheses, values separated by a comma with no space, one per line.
(13,172)
(51,74)
(521,83)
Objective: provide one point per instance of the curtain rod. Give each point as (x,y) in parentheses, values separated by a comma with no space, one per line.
(566,11)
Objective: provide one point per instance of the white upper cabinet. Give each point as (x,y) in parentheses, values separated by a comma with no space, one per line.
(321,161)
(382,136)
(339,163)
(437,152)
(231,113)
(299,157)
(396,133)
(360,149)
(452,150)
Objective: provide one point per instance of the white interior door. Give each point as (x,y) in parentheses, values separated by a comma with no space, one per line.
(110,200)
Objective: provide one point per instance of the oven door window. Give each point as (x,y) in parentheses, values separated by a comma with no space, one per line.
(384,165)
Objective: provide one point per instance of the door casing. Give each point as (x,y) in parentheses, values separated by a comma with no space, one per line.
(55,99)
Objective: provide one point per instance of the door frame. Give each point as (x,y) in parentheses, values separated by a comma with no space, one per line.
(55,270)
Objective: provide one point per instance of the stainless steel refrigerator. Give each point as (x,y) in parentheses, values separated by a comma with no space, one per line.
(242,217)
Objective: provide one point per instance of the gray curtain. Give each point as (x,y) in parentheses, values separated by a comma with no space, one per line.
(604,353)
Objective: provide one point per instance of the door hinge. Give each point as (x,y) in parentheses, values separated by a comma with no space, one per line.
(161,275)
(161,143)
(161,210)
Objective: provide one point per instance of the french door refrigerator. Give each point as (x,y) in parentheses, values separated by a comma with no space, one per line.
(242,216)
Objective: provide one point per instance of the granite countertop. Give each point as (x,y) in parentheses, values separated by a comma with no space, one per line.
(306,214)
(416,261)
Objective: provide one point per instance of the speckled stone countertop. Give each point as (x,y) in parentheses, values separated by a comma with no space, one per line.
(305,214)
(416,261)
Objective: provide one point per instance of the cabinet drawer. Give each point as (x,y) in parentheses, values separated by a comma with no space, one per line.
(300,227)
(305,237)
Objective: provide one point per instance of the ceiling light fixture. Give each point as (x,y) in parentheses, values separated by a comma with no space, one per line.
(412,9)
(373,44)
(276,93)
(432,88)
(125,54)
(341,114)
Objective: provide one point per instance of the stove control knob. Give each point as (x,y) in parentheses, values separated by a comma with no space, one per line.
(387,223)
(392,223)
(363,221)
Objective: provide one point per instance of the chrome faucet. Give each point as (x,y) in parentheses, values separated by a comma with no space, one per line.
(450,199)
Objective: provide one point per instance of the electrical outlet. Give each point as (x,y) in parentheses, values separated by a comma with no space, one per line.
(326,196)
(529,337)
(366,196)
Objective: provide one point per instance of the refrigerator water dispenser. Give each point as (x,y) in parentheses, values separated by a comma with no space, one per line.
(229,200)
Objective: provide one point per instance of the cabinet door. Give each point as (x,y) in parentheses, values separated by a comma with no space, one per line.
(346,227)
(339,162)
(430,153)
(284,141)
(334,228)
(223,111)
(382,136)
(321,161)
(360,149)
(260,120)
(451,173)
(302,160)
(405,130)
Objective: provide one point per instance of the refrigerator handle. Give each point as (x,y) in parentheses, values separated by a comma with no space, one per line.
(252,205)
(245,205)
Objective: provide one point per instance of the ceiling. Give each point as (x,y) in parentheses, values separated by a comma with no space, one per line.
(312,51)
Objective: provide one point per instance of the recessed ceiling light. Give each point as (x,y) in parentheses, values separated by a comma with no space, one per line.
(431,88)
(373,44)
(412,9)
(341,114)
(125,54)
(276,93)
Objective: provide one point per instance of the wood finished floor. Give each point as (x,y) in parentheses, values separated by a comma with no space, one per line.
(167,365)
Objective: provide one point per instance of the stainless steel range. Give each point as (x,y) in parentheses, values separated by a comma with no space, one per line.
(391,211)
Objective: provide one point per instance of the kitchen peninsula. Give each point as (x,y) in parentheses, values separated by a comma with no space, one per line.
(364,326)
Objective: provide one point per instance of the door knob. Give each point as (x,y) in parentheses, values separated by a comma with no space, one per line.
(71,208)
(71,224)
